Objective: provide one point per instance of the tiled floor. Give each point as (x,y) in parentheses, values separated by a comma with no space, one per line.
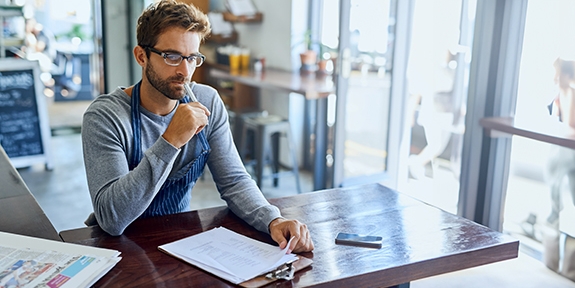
(63,194)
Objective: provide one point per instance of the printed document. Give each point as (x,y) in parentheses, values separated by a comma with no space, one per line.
(229,255)
(34,262)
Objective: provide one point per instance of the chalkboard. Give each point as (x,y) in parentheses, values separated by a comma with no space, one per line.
(24,129)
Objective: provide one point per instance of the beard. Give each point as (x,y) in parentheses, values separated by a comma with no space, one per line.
(163,85)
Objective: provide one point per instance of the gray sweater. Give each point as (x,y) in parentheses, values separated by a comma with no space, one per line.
(120,196)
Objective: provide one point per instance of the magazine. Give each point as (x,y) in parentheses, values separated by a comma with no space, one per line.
(34,262)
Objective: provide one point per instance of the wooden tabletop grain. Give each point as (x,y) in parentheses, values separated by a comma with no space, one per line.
(419,241)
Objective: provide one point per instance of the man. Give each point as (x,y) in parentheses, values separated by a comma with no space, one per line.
(145,147)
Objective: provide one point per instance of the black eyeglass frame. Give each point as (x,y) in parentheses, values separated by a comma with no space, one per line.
(191,59)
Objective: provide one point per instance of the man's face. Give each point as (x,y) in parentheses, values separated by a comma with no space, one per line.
(170,80)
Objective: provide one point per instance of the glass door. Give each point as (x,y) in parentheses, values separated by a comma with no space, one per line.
(401,94)
(437,77)
(362,117)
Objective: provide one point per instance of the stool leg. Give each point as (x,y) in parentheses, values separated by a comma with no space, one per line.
(242,143)
(275,157)
(249,151)
(237,132)
(247,144)
(295,168)
(260,151)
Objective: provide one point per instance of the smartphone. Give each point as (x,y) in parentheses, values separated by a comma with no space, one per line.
(359,240)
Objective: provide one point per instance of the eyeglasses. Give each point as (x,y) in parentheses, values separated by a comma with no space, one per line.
(174,59)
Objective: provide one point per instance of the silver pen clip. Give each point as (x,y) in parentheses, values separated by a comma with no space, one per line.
(285,272)
(190,93)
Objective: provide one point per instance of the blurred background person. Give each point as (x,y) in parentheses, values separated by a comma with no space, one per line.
(432,88)
(562,160)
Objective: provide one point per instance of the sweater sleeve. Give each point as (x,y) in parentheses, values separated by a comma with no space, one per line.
(235,185)
(119,195)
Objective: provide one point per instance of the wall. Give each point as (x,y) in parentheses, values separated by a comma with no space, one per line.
(271,38)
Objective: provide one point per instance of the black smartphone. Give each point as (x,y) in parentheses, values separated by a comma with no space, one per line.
(359,240)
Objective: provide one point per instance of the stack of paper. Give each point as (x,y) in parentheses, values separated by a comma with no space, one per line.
(229,255)
(34,262)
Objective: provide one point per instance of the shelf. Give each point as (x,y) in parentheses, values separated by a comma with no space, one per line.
(11,11)
(7,41)
(258,17)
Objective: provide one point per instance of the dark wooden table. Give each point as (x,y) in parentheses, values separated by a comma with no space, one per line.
(419,241)
(19,210)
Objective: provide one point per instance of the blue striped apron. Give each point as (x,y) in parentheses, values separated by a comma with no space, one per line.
(174,195)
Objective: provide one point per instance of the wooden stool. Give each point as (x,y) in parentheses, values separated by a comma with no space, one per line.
(266,130)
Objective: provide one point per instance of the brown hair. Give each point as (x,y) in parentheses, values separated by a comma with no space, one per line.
(166,14)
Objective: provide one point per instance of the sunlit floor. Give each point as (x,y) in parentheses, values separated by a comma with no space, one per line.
(439,187)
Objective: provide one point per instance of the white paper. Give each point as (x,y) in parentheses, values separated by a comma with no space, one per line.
(242,7)
(219,25)
(229,255)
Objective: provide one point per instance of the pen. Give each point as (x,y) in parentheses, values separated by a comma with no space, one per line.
(190,93)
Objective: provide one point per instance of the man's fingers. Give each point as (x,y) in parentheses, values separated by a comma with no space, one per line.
(201,106)
(304,243)
(279,238)
(281,229)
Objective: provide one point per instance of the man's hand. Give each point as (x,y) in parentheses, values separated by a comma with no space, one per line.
(188,121)
(282,230)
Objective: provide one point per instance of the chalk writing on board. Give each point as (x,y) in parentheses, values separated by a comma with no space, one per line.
(19,121)
(22,80)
